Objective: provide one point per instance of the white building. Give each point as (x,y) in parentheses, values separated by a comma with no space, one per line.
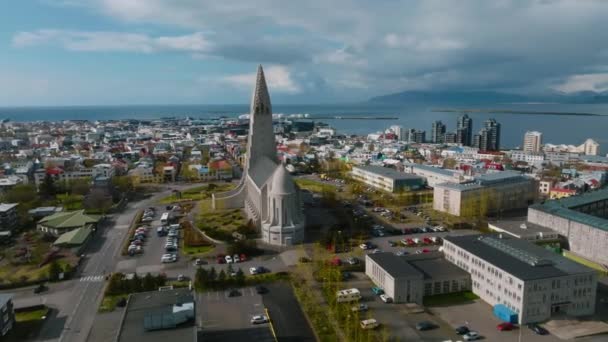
(528,157)
(267,191)
(533,141)
(434,175)
(529,282)
(590,147)
(386,179)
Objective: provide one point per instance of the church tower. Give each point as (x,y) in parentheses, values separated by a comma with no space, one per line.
(261,141)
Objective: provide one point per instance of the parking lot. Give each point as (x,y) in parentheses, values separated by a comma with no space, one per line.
(400,324)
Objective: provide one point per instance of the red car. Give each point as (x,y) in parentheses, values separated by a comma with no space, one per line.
(221,259)
(243,257)
(425,251)
(410,242)
(427,241)
(335,262)
(506,326)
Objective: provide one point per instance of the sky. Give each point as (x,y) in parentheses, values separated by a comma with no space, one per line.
(113,52)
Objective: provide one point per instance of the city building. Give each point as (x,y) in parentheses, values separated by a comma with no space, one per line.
(582,220)
(399,131)
(66,221)
(590,148)
(464,130)
(387,179)
(409,278)
(521,229)
(8,217)
(419,136)
(450,138)
(7,313)
(159,316)
(434,175)
(528,157)
(533,141)
(488,193)
(437,132)
(267,191)
(529,282)
(488,138)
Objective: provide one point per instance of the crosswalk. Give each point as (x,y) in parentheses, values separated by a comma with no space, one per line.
(93,279)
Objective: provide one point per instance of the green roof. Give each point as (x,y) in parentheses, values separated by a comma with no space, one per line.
(69,219)
(74,237)
(567,208)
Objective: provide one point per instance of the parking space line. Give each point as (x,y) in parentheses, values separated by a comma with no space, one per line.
(251,290)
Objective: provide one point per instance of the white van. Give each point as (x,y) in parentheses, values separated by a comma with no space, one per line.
(369,324)
(348,295)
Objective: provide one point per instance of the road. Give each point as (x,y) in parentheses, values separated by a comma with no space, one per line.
(74,303)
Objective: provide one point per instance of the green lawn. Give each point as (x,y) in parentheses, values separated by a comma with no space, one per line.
(198,193)
(34,315)
(219,223)
(449,299)
(195,251)
(109,302)
(314,186)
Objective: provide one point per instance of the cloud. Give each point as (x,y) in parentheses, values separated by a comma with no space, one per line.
(585,82)
(279,79)
(112,41)
(393,40)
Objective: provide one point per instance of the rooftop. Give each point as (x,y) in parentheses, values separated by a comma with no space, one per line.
(394,265)
(7,206)
(74,237)
(146,309)
(427,265)
(386,172)
(4,298)
(69,219)
(566,208)
(520,258)
(429,168)
(514,226)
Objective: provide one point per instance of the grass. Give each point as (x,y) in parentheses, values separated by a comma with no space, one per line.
(314,186)
(34,315)
(219,223)
(109,302)
(196,250)
(449,299)
(198,193)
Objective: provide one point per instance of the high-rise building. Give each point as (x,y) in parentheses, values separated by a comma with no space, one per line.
(450,138)
(464,130)
(419,136)
(399,132)
(493,139)
(437,132)
(533,141)
(410,135)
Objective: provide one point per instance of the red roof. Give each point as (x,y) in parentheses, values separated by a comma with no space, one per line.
(54,171)
(219,164)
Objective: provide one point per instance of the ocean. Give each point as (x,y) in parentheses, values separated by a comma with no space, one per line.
(556,129)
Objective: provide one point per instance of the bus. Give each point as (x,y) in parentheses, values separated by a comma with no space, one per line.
(164,219)
(348,295)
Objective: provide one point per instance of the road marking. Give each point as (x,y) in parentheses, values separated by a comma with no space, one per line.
(96,278)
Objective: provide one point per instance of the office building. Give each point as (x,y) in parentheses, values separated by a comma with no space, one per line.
(386,179)
(582,219)
(437,132)
(409,278)
(533,141)
(159,316)
(528,282)
(464,130)
(400,132)
(434,175)
(486,194)
(8,217)
(450,138)
(488,138)
(520,228)
(7,313)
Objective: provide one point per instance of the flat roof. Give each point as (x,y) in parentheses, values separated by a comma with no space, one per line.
(387,172)
(514,226)
(566,208)
(141,305)
(522,259)
(429,168)
(434,266)
(394,265)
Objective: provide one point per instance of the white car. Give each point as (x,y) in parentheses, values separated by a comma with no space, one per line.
(259,319)
(471,336)
(168,258)
(236,258)
(363,246)
(253,270)
(386,298)
(228,259)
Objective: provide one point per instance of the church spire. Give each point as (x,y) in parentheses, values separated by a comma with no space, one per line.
(260,100)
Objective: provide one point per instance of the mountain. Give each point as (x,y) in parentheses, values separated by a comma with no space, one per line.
(488,97)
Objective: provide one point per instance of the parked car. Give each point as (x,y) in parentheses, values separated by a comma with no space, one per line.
(259,319)
(537,329)
(360,308)
(198,262)
(181,277)
(369,324)
(377,291)
(234,293)
(386,298)
(425,325)
(376,251)
(260,289)
(352,261)
(471,336)
(40,288)
(168,258)
(221,259)
(228,259)
(235,258)
(505,326)
(253,270)
(461,330)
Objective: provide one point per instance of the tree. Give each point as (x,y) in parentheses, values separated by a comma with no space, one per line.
(149,283)
(98,200)
(21,193)
(80,186)
(240,277)
(135,284)
(54,270)
(123,184)
(161,280)
(116,284)
(47,187)
(201,278)
(221,278)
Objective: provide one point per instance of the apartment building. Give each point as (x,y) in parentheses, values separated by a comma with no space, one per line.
(7,313)
(502,191)
(387,179)
(530,282)
(8,217)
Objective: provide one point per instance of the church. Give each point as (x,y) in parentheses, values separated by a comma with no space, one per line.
(266,191)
